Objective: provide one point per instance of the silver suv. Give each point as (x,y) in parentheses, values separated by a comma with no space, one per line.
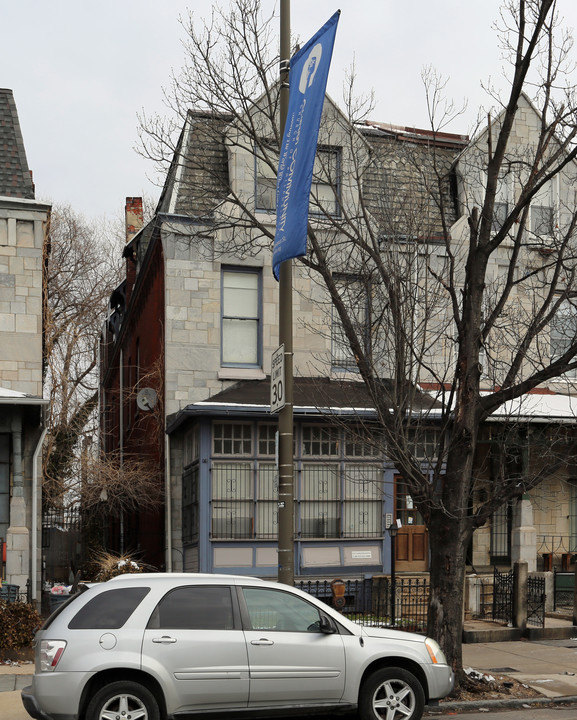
(160,646)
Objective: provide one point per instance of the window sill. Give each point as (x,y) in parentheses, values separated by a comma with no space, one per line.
(347,375)
(241,374)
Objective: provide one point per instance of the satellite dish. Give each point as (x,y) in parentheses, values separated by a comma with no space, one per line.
(146,398)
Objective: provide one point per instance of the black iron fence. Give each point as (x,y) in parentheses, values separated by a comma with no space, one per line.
(536,601)
(14,593)
(369,601)
(485,598)
(503,596)
(563,589)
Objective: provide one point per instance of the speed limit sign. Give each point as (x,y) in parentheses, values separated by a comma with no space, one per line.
(277,387)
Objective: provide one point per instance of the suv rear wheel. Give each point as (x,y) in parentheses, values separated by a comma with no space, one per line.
(391,694)
(125,699)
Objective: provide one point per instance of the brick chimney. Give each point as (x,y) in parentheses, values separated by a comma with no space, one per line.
(134,216)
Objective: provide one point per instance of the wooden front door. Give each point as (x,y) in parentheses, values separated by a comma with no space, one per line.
(412,542)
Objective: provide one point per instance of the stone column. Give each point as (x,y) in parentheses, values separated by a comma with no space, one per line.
(520,578)
(18,535)
(524,535)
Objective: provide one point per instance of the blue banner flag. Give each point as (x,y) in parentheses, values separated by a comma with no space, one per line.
(309,71)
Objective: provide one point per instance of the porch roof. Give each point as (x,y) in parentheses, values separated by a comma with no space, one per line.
(13,397)
(539,408)
(312,396)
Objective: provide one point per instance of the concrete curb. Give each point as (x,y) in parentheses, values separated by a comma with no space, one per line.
(449,707)
(515,634)
(9,683)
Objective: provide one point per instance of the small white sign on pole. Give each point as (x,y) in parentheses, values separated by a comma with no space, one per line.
(277,387)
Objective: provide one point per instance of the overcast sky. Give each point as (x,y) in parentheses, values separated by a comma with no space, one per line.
(80,73)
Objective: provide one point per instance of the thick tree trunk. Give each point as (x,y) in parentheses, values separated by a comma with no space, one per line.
(448,541)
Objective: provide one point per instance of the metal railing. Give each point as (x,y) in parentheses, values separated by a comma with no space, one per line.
(368,601)
(536,601)
(503,596)
(563,589)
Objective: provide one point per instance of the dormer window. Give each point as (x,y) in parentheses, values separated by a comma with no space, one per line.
(325,186)
(500,212)
(265,182)
(542,220)
(543,211)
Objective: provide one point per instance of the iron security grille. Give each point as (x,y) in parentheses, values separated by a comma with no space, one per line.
(503,596)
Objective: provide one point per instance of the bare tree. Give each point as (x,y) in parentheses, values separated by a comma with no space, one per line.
(440,276)
(78,280)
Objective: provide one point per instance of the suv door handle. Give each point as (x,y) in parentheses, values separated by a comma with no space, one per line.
(164,640)
(262,641)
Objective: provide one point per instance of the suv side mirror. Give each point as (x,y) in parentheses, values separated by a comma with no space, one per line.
(327,626)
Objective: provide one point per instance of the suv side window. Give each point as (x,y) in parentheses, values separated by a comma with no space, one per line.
(194,608)
(109,610)
(278,610)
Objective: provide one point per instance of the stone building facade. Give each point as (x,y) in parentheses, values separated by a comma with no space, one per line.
(23,224)
(216,326)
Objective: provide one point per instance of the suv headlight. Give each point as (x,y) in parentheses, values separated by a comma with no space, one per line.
(50,653)
(435,653)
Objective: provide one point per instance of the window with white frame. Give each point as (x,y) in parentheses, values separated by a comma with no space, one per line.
(320,495)
(232,495)
(265,178)
(267,439)
(320,440)
(232,438)
(563,331)
(543,211)
(266,527)
(191,446)
(500,212)
(362,443)
(325,185)
(363,494)
(241,315)
(344,498)
(502,199)
(424,444)
(335,496)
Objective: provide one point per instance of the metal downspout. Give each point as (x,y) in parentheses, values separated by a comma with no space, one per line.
(35,497)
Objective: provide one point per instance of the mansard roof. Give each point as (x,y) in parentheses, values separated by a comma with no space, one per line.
(15,177)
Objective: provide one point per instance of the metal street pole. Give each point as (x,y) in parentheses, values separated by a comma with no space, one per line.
(286,474)
(393,530)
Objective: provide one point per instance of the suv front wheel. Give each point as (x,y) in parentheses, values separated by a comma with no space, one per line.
(123,699)
(391,694)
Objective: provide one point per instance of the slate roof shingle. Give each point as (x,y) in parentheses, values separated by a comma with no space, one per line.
(15,178)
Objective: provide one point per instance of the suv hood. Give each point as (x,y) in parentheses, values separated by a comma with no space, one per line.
(390,634)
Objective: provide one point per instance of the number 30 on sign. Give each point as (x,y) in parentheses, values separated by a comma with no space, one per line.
(277,398)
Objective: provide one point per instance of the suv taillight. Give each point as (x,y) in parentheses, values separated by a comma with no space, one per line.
(50,653)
